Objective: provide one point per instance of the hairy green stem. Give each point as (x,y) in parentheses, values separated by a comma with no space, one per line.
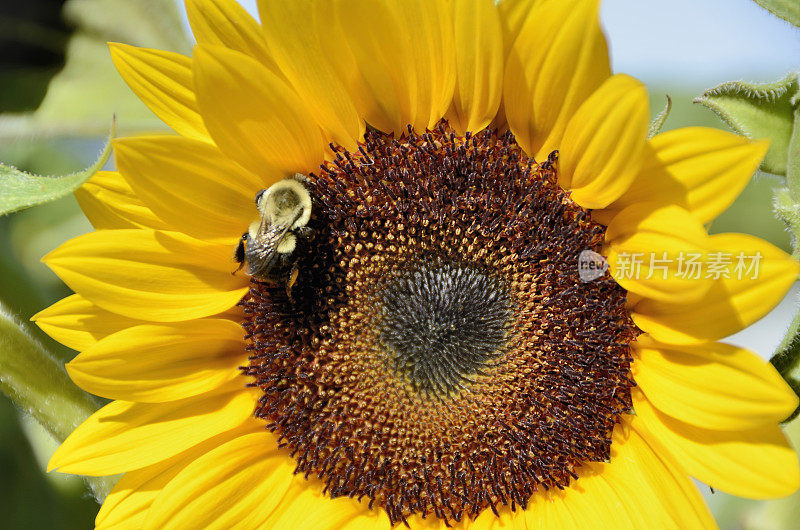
(793,162)
(38,384)
(787,206)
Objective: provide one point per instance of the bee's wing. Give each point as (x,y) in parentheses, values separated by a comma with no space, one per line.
(262,253)
(263,250)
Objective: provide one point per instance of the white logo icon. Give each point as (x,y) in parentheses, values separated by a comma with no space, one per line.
(591,265)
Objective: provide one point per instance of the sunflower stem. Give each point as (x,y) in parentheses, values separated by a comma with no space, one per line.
(38,384)
(793,161)
(787,206)
(787,359)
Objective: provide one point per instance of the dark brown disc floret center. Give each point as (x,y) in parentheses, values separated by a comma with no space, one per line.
(438,354)
(441,324)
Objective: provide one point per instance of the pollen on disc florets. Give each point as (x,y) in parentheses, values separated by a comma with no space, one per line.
(439,354)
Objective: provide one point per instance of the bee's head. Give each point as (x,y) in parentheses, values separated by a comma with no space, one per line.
(258,197)
(286,201)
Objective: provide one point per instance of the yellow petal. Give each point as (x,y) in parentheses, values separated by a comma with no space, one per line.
(614,495)
(306,506)
(648,250)
(479,65)
(546,512)
(236,485)
(293,30)
(148,274)
(713,386)
(731,304)
(123,436)
(400,64)
(163,81)
(713,166)
(559,58)
(433,523)
(154,363)
(513,15)
(508,520)
(254,116)
(130,500)
(587,507)
(429,25)
(226,23)
(659,484)
(757,463)
(601,152)
(110,203)
(77,323)
(698,168)
(191,185)
(372,520)
(653,184)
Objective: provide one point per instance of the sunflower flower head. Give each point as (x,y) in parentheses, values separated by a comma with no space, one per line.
(410,338)
(431,313)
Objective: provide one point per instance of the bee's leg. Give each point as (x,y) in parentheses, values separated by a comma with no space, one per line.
(306,232)
(238,254)
(291,280)
(299,177)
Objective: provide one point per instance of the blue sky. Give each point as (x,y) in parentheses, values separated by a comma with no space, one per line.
(699,43)
(694,43)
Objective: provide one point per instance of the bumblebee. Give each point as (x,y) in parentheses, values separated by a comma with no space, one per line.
(267,250)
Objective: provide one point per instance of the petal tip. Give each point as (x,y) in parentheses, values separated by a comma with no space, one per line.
(55,462)
(117,50)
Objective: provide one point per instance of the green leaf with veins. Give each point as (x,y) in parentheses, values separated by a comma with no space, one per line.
(758,111)
(788,10)
(658,122)
(20,190)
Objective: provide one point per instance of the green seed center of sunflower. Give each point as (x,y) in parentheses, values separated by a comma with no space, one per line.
(442,324)
(439,354)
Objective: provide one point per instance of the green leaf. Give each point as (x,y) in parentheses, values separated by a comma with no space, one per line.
(40,387)
(658,122)
(758,111)
(788,10)
(20,190)
(786,209)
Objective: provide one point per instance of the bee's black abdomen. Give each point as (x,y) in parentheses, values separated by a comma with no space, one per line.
(238,254)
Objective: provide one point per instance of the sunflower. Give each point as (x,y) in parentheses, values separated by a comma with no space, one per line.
(430,351)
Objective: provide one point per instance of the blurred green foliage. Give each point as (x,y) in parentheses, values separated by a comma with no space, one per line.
(58,93)
(28,498)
